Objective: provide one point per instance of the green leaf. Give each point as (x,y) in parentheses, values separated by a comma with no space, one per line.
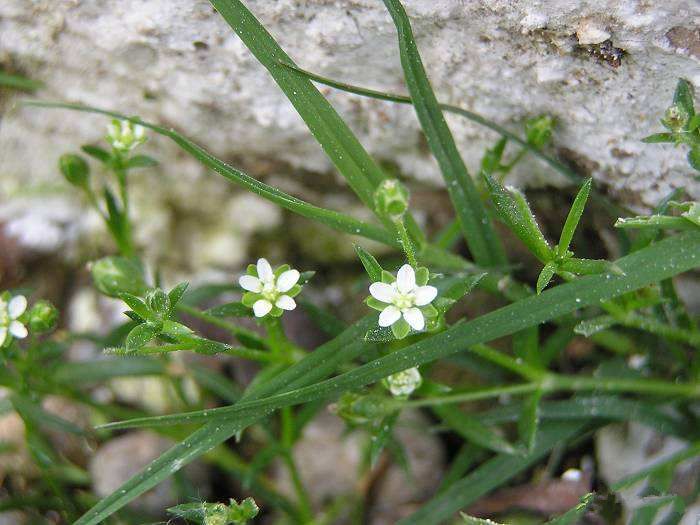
(491,162)
(139,336)
(141,161)
(380,436)
(529,420)
(655,221)
(400,329)
(115,275)
(19,82)
(491,474)
(42,418)
(659,137)
(573,218)
(592,326)
(472,430)
(137,305)
(98,153)
(89,372)
(330,218)
(471,520)
(176,294)
(481,238)
(515,212)
(683,96)
(235,309)
(462,285)
(574,515)
(588,266)
(322,318)
(526,346)
(694,157)
(545,276)
(372,267)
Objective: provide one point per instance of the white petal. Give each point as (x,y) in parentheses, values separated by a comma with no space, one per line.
(414,317)
(262,307)
(18,330)
(382,292)
(250,283)
(265,270)
(406,279)
(425,295)
(287,280)
(285,302)
(17,306)
(389,316)
(3,335)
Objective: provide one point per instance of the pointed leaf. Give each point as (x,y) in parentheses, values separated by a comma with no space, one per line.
(372,267)
(529,420)
(545,276)
(573,218)
(139,336)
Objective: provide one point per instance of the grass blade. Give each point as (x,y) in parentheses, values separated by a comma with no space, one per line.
(476,225)
(335,220)
(573,218)
(473,430)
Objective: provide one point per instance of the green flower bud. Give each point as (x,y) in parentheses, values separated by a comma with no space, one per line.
(158,301)
(402,384)
(538,130)
(391,199)
(216,514)
(360,409)
(675,118)
(42,317)
(74,169)
(115,275)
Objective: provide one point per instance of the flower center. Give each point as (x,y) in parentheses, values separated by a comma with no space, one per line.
(403,301)
(269,291)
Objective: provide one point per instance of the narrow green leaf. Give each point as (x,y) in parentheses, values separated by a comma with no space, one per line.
(97,152)
(588,266)
(592,326)
(515,212)
(41,418)
(481,238)
(141,161)
(471,520)
(573,218)
(19,82)
(530,420)
(380,436)
(694,157)
(472,430)
(658,138)
(137,305)
(526,346)
(656,221)
(324,319)
(372,267)
(330,218)
(545,276)
(89,372)
(235,309)
(574,515)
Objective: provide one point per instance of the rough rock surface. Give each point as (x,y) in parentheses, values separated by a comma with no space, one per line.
(178,63)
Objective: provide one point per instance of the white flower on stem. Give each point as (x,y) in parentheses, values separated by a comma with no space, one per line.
(124,135)
(403,297)
(402,384)
(9,315)
(268,290)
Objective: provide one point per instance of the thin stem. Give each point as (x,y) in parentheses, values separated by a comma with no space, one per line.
(474,395)
(287,440)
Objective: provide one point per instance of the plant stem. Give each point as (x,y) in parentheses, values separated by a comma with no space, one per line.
(287,440)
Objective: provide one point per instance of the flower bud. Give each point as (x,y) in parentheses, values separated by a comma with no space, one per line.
(403,384)
(538,130)
(115,275)
(74,169)
(360,409)
(675,118)
(158,301)
(42,317)
(216,514)
(391,199)
(124,135)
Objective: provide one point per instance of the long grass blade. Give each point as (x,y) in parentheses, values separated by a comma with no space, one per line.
(482,240)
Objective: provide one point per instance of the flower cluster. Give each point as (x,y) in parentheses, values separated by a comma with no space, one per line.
(404,302)
(404,383)
(124,135)
(10,311)
(270,292)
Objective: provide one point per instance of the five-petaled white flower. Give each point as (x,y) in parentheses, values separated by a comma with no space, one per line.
(402,384)
(124,135)
(403,298)
(272,290)
(9,313)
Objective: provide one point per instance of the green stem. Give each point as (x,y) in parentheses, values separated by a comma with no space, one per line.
(287,440)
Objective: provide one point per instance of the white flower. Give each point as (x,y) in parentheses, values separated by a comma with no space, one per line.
(9,312)
(124,135)
(404,383)
(272,291)
(403,297)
